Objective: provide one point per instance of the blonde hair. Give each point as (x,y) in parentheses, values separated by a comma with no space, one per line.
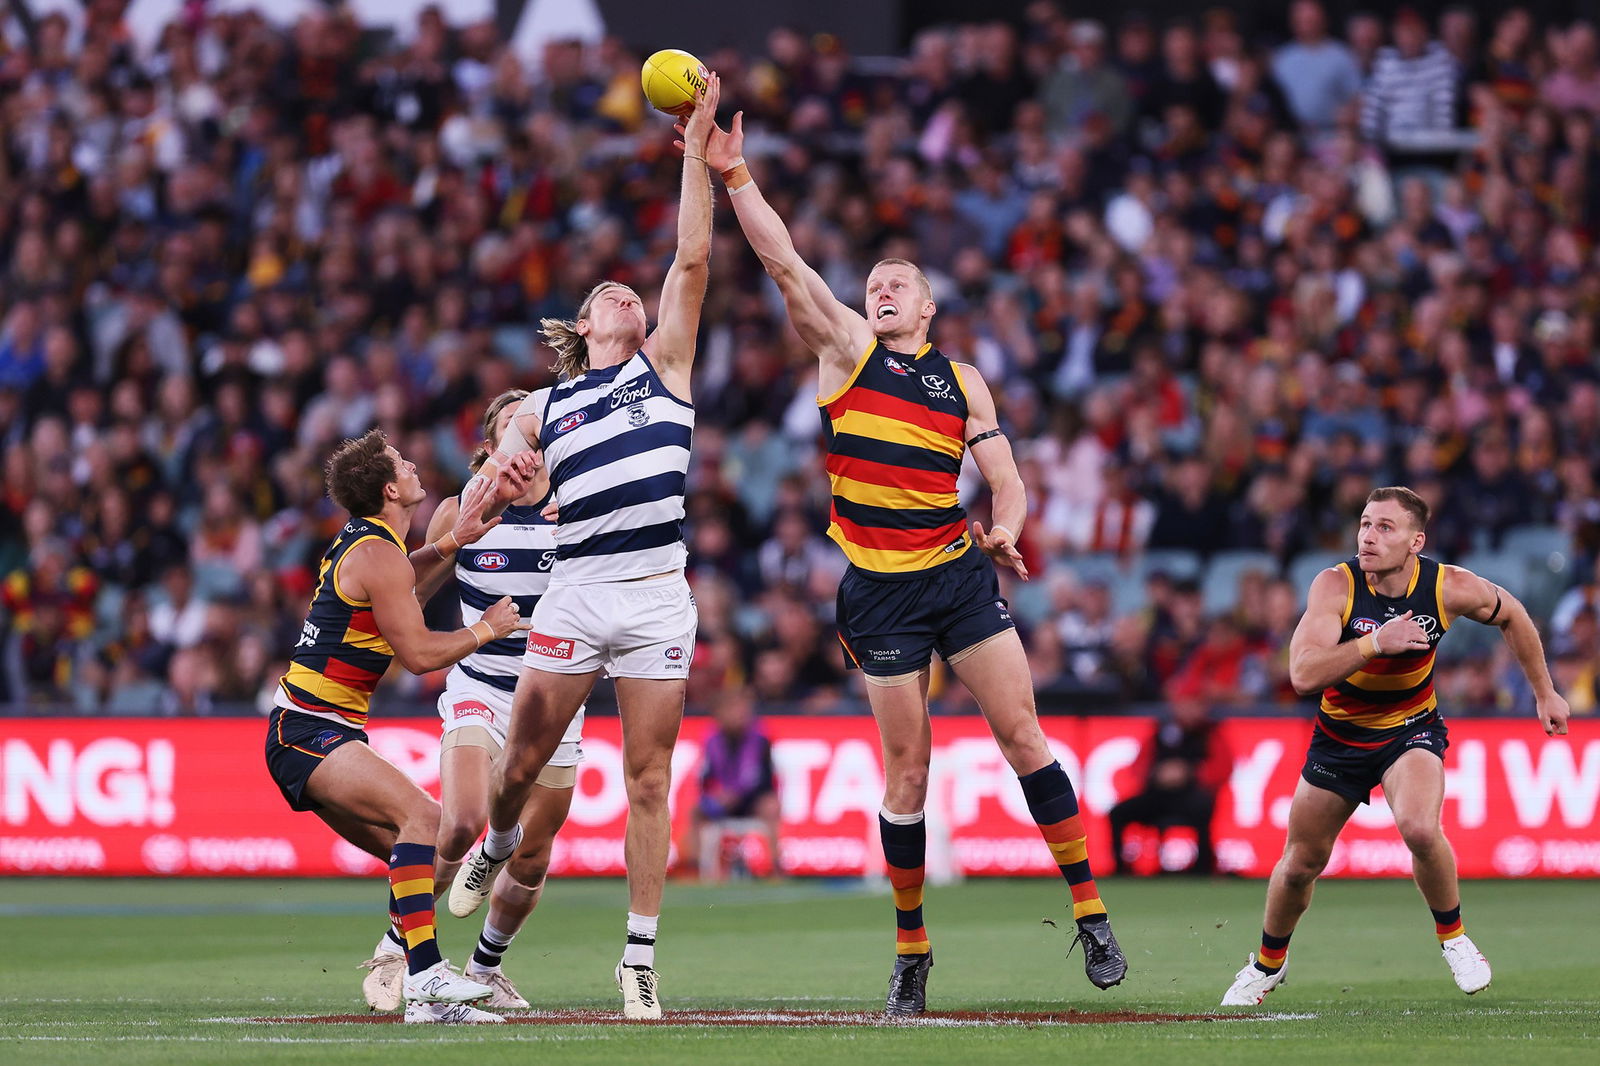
(572,350)
(922,279)
(490,417)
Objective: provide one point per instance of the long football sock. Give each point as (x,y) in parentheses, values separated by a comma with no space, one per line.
(1447,924)
(1054,807)
(411,881)
(492,946)
(905,850)
(1274,950)
(641,946)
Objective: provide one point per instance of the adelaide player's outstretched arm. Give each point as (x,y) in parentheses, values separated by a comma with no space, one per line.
(1466,595)
(837,334)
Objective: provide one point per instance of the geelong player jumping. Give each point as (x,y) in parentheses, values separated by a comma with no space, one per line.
(615,435)
(1367,642)
(898,417)
(363,614)
(513,558)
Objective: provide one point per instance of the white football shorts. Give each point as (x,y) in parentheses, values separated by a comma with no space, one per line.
(641,629)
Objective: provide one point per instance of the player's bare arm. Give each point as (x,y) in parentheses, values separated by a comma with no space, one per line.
(380,574)
(1466,595)
(671,345)
(432,567)
(836,333)
(1318,658)
(992,452)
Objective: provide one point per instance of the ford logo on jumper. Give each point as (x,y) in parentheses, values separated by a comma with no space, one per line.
(631,393)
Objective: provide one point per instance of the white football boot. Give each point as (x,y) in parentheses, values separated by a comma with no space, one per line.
(458,1013)
(506,996)
(440,984)
(475,880)
(1250,986)
(638,986)
(1467,964)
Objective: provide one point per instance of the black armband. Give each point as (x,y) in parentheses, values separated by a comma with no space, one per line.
(1496,612)
(981,437)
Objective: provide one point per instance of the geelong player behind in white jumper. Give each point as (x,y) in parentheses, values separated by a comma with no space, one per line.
(615,435)
(513,558)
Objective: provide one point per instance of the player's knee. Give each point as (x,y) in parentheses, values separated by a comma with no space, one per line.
(456,836)
(1023,746)
(528,871)
(648,787)
(1422,835)
(1301,866)
(421,819)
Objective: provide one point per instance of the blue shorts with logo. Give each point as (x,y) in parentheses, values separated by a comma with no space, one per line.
(1354,772)
(893,626)
(296,745)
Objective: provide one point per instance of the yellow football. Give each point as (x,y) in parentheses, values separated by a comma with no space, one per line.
(671,78)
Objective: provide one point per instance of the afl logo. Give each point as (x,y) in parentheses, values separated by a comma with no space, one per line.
(492,561)
(1363,625)
(674,654)
(572,421)
(896,366)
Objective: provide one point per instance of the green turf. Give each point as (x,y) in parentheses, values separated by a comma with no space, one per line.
(133,968)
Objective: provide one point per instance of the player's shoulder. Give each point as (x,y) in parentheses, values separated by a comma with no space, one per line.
(1331,582)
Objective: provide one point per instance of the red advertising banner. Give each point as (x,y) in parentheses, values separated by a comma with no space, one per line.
(192,798)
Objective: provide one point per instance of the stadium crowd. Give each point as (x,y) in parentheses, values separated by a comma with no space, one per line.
(1229,278)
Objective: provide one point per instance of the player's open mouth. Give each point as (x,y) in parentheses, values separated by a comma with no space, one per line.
(886,310)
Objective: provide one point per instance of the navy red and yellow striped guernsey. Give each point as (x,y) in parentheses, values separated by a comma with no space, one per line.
(896,435)
(1390,693)
(341,656)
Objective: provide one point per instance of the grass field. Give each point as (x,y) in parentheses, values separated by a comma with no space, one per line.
(153,971)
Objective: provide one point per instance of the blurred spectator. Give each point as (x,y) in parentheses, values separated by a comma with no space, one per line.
(1086,89)
(1182,767)
(1412,87)
(737,779)
(1317,73)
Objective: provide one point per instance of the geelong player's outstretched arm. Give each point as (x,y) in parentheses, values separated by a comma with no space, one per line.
(1466,595)
(992,452)
(1318,658)
(671,345)
(836,333)
(380,574)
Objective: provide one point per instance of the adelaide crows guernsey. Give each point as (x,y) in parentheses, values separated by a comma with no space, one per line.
(341,656)
(896,432)
(1391,693)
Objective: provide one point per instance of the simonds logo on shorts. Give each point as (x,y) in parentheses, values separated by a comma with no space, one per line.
(550,647)
(472,707)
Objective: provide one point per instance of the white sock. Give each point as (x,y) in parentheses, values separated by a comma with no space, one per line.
(899,819)
(390,944)
(498,844)
(641,948)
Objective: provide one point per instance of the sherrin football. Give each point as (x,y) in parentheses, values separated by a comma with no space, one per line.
(671,78)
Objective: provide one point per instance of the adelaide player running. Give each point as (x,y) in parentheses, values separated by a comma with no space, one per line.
(363,615)
(1367,643)
(513,558)
(615,434)
(899,416)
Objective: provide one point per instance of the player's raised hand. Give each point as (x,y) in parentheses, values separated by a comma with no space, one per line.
(513,480)
(724,149)
(696,129)
(503,618)
(1553,711)
(997,544)
(1399,635)
(470,524)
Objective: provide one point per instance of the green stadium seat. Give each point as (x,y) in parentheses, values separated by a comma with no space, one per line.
(1219,587)
(1307,565)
